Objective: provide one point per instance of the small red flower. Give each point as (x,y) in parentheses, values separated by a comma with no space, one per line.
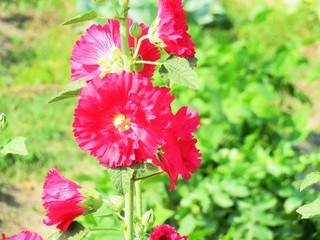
(179,154)
(98,52)
(24,235)
(169,30)
(166,232)
(66,200)
(122,118)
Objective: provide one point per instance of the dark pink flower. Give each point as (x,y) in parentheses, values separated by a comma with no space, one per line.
(165,232)
(24,235)
(169,30)
(66,200)
(122,118)
(179,154)
(98,52)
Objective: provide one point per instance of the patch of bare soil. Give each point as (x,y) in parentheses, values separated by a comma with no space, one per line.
(21,209)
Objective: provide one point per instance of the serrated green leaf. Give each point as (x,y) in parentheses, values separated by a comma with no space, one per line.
(146,166)
(74,232)
(150,167)
(310,179)
(235,189)
(162,214)
(121,178)
(291,204)
(187,225)
(310,210)
(178,70)
(222,199)
(15,146)
(81,18)
(72,90)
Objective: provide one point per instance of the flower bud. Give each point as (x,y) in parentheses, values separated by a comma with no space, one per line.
(138,67)
(139,229)
(92,202)
(3,121)
(148,219)
(116,202)
(135,30)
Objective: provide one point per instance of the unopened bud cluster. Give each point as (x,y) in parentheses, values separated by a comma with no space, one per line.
(3,121)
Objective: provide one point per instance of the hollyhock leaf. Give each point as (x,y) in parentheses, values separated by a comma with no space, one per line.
(15,146)
(145,166)
(310,179)
(192,62)
(187,225)
(121,177)
(310,210)
(162,214)
(150,167)
(81,18)
(177,70)
(75,232)
(72,90)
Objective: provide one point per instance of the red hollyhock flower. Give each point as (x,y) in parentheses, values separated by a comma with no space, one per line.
(179,154)
(24,235)
(66,200)
(122,119)
(169,30)
(98,52)
(165,232)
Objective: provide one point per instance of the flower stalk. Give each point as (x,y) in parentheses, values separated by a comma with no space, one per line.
(129,198)
(124,35)
(138,199)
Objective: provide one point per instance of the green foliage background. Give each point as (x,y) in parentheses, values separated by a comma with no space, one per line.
(252,55)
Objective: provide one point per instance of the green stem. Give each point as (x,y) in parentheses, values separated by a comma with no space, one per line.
(113,214)
(139,45)
(138,199)
(115,8)
(148,176)
(125,36)
(129,211)
(149,62)
(103,229)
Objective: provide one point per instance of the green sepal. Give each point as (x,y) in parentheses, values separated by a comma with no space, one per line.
(148,219)
(92,202)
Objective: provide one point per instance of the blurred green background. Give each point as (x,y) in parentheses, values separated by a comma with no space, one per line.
(259,69)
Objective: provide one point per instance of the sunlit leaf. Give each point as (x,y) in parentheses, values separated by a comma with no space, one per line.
(81,18)
(72,90)
(74,232)
(179,71)
(310,210)
(310,179)
(121,178)
(15,146)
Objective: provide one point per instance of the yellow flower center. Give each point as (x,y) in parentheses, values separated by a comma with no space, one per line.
(111,64)
(121,123)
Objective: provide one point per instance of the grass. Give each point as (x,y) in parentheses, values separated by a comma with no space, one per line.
(49,135)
